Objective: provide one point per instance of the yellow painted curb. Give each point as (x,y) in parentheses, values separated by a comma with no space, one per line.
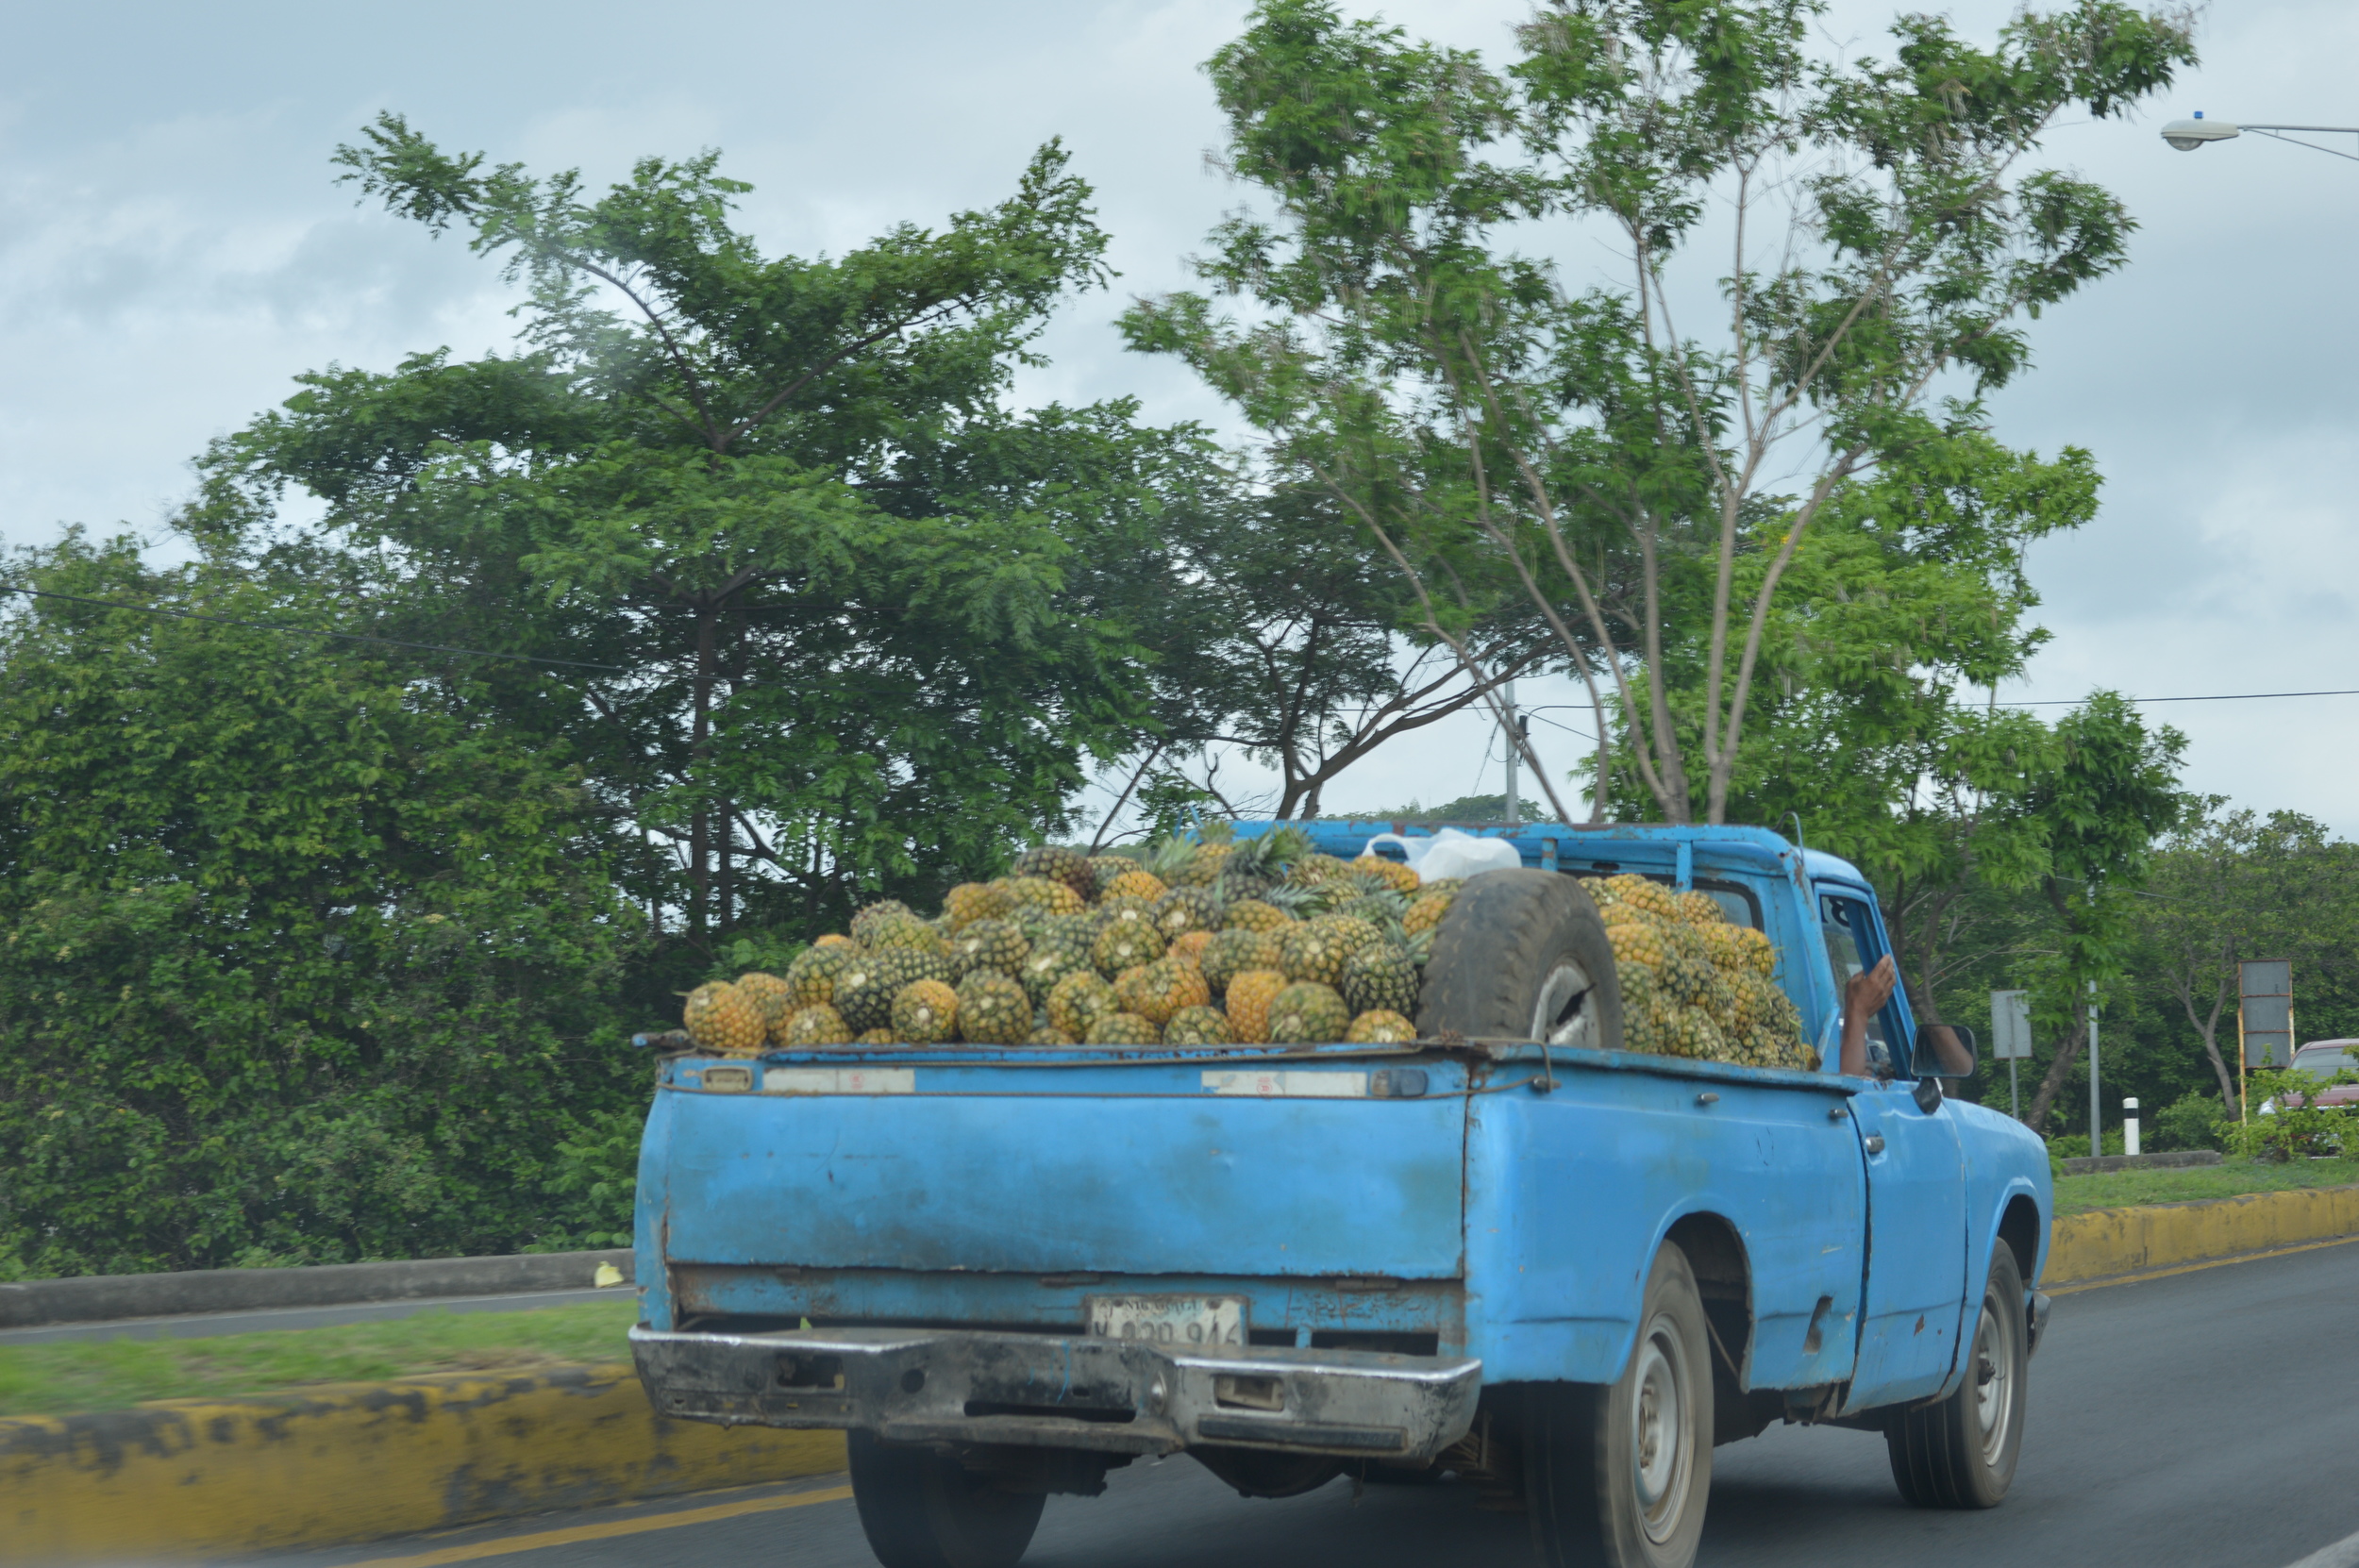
(2108,1243)
(319,1466)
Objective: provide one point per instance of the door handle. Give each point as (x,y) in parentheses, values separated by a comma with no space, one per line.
(1875,1142)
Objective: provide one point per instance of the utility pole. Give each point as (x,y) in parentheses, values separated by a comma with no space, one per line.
(1514,748)
(2096,1115)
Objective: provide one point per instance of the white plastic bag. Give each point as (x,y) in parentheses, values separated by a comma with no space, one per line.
(1446,853)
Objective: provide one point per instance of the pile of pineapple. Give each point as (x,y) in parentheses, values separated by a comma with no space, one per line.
(1693,984)
(1198,944)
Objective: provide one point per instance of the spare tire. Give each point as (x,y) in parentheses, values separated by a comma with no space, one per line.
(1522,955)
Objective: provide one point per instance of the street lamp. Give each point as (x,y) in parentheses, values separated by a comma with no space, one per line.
(2187,135)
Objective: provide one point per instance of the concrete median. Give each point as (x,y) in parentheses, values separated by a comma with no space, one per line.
(325,1465)
(2116,1244)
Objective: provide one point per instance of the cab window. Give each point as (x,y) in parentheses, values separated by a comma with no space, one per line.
(1851,947)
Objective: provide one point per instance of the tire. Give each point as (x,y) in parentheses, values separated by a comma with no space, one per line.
(923,1509)
(1961,1452)
(1620,1476)
(1522,955)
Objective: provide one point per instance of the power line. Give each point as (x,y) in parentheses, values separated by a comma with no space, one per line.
(311,631)
(2219,696)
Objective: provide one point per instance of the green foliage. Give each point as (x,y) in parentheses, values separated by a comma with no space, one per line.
(2288,1122)
(2117,1188)
(2192,1121)
(1486,424)
(302,958)
(866,626)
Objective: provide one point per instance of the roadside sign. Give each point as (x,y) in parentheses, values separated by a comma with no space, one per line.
(2011,1039)
(2265,1013)
(2011,1026)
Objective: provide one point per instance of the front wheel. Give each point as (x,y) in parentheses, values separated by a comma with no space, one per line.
(920,1509)
(1960,1452)
(1620,1475)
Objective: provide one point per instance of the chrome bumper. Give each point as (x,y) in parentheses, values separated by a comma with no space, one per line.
(1116,1396)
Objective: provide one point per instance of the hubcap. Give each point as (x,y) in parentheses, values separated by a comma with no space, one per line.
(1660,1438)
(1994,1384)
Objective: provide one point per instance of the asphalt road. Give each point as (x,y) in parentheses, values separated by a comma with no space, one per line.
(2204,1418)
(201,1325)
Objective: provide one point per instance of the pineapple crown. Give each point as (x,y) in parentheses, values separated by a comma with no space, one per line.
(1269,854)
(1165,856)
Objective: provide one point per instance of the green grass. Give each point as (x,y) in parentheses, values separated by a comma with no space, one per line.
(74,1375)
(2077,1194)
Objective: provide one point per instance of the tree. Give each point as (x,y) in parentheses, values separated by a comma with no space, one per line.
(1308,654)
(1467,406)
(2111,793)
(2233,886)
(861,626)
(303,958)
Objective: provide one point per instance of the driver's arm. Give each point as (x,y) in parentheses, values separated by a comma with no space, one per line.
(1863,996)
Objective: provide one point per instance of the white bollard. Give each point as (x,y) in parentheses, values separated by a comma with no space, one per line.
(2129,1124)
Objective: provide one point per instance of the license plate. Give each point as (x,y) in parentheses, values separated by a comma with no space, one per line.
(1176,1320)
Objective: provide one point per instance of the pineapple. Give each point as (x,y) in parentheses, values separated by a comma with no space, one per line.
(1203,868)
(1051,961)
(898,966)
(1642,892)
(885,909)
(988,944)
(905,932)
(1426,911)
(992,1010)
(1125,943)
(1044,896)
(722,1018)
(1058,864)
(1157,991)
(1379,978)
(1249,995)
(1118,906)
(811,979)
(1135,883)
(771,997)
(1076,1002)
(1236,950)
(1199,1026)
(1308,1014)
(1190,948)
(1105,867)
(1045,1035)
(1378,910)
(874,1037)
(1381,1026)
(835,939)
(972,901)
(1316,950)
(820,1024)
(1252,914)
(1123,1028)
(1700,908)
(926,1012)
(1184,910)
(1393,874)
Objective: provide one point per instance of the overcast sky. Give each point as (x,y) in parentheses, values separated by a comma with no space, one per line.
(172,251)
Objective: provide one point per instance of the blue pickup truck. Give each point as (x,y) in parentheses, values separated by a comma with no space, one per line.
(1511,1250)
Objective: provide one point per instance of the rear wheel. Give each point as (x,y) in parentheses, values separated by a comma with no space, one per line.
(1961,1453)
(1620,1475)
(1522,955)
(920,1509)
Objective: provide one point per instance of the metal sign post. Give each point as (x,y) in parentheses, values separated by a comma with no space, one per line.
(2265,1018)
(2011,1038)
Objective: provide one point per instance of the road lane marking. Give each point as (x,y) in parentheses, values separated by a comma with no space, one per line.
(2207,1263)
(510,1546)
(2343,1554)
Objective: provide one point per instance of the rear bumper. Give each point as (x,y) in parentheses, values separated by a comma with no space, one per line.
(932,1385)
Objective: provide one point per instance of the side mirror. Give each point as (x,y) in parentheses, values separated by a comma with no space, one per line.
(1945,1051)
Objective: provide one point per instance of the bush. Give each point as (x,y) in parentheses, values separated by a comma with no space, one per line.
(2194,1121)
(2283,1130)
(2075,1146)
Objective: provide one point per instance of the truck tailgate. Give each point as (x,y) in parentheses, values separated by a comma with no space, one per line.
(1208,1166)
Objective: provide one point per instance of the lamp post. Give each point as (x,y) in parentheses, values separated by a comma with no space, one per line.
(2188,134)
